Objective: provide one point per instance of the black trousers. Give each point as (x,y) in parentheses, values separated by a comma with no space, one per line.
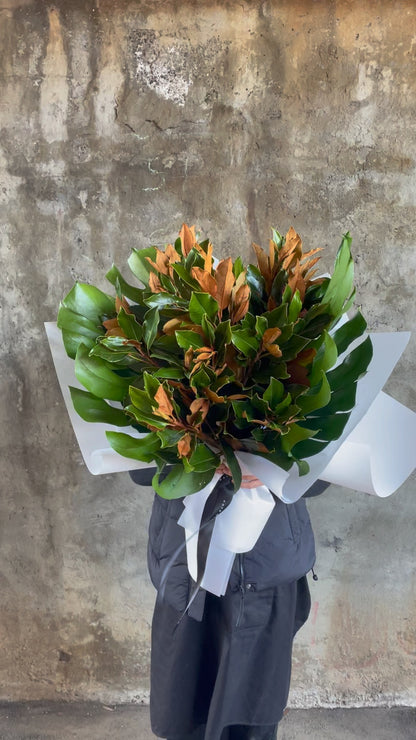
(235,732)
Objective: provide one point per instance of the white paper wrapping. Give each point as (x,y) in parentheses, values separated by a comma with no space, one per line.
(236,529)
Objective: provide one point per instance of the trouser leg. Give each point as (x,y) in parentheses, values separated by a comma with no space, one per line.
(235,732)
(251,732)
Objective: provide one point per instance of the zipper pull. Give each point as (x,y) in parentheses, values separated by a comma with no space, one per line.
(314,576)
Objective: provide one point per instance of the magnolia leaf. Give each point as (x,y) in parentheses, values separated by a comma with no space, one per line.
(143,449)
(180,482)
(208,329)
(349,331)
(169,373)
(245,342)
(187,339)
(203,459)
(327,427)
(150,326)
(225,280)
(76,330)
(94,374)
(90,302)
(131,327)
(200,379)
(201,304)
(341,283)
(316,397)
(353,367)
(295,434)
(94,409)
(274,393)
(295,307)
(115,277)
(169,437)
(233,465)
(151,386)
(139,264)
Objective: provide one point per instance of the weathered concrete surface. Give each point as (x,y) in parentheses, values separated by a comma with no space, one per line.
(90,721)
(119,120)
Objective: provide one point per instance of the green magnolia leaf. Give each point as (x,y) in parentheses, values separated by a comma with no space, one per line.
(141,401)
(118,356)
(244,341)
(89,301)
(76,330)
(151,386)
(203,459)
(261,325)
(143,449)
(274,393)
(161,300)
(340,285)
(131,327)
(170,373)
(349,331)
(233,464)
(123,288)
(316,397)
(139,265)
(201,304)
(295,307)
(180,482)
(201,379)
(169,437)
(238,267)
(93,409)
(343,399)
(326,358)
(94,374)
(353,367)
(295,434)
(187,339)
(150,326)
(208,329)
(327,427)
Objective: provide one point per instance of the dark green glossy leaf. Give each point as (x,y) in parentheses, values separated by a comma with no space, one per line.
(327,427)
(95,375)
(353,367)
(143,449)
(274,392)
(170,373)
(180,483)
(131,327)
(349,331)
(94,409)
(187,339)
(89,301)
(150,326)
(203,459)
(295,307)
(201,304)
(245,342)
(115,277)
(233,464)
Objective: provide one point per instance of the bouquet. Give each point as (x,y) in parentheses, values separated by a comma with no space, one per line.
(205,358)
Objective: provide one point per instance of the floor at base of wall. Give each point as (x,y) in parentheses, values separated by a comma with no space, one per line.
(93,721)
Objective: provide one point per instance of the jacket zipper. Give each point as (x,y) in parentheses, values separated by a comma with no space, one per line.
(241,588)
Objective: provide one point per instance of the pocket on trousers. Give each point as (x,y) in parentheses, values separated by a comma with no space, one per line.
(251,609)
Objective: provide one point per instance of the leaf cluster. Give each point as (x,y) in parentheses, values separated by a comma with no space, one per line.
(208,358)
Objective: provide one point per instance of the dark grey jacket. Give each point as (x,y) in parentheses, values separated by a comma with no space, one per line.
(284,552)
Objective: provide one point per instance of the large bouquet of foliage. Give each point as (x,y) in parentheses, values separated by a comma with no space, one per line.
(209,358)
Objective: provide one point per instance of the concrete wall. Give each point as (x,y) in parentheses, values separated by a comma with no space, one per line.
(119,120)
